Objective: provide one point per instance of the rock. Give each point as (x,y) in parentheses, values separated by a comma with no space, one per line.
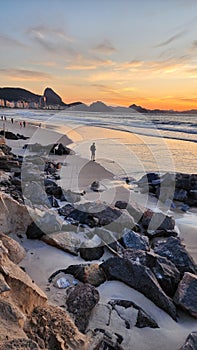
(62,283)
(134,209)
(65,210)
(142,318)
(16,252)
(71,196)
(180,195)
(3,285)
(60,149)
(11,313)
(34,192)
(186,181)
(53,202)
(134,240)
(157,221)
(48,221)
(92,249)
(140,278)
(100,214)
(191,342)
(52,328)
(89,273)
(186,294)
(14,217)
(161,233)
(80,301)
(66,241)
(173,250)
(34,232)
(19,344)
(23,291)
(95,186)
(164,270)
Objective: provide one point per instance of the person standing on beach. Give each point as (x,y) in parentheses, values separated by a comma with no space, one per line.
(12,120)
(93,151)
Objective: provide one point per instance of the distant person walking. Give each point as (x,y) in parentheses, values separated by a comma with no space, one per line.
(12,120)
(24,123)
(93,151)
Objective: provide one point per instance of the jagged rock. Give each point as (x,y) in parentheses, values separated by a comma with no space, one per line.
(23,291)
(164,270)
(34,232)
(60,149)
(95,186)
(65,210)
(19,344)
(101,214)
(14,217)
(186,294)
(66,241)
(157,221)
(3,285)
(191,342)
(134,209)
(71,196)
(11,313)
(34,192)
(53,202)
(52,328)
(173,250)
(134,240)
(80,301)
(186,181)
(142,319)
(140,278)
(161,233)
(180,195)
(16,252)
(92,249)
(89,273)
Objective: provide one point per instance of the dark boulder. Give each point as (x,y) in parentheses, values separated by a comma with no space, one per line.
(186,294)
(143,319)
(134,240)
(180,195)
(60,149)
(91,253)
(80,301)
(100,214)
(134,209)
(65,210)
(173,250)
(53,202)
(34,232)
(164,270)
(140,278)
(157,221)
(191,342)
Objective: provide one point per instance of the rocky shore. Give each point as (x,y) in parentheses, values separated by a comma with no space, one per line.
(120,241)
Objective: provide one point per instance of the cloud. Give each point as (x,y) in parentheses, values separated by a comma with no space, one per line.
(8,41)
(53,40)
(171,39)
(194,45)
(87,63)
(105,48)
(24,75)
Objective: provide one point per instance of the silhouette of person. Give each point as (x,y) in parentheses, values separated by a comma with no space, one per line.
(93,151)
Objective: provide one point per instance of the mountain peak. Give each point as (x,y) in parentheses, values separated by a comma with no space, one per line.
(52,98)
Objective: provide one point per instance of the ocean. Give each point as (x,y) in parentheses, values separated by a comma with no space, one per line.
(127,144)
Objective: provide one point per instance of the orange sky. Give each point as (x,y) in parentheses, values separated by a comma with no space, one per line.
(119,52)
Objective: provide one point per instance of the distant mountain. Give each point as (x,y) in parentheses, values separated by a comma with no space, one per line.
(99,107)
(52,98)
(139,109)
(18,94)
(94,107)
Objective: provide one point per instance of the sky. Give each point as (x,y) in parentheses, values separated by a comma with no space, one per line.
(116,51)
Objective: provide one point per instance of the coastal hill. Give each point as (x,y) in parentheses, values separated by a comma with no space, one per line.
(21,98)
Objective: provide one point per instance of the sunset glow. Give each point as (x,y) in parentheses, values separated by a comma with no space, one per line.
(119,52)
